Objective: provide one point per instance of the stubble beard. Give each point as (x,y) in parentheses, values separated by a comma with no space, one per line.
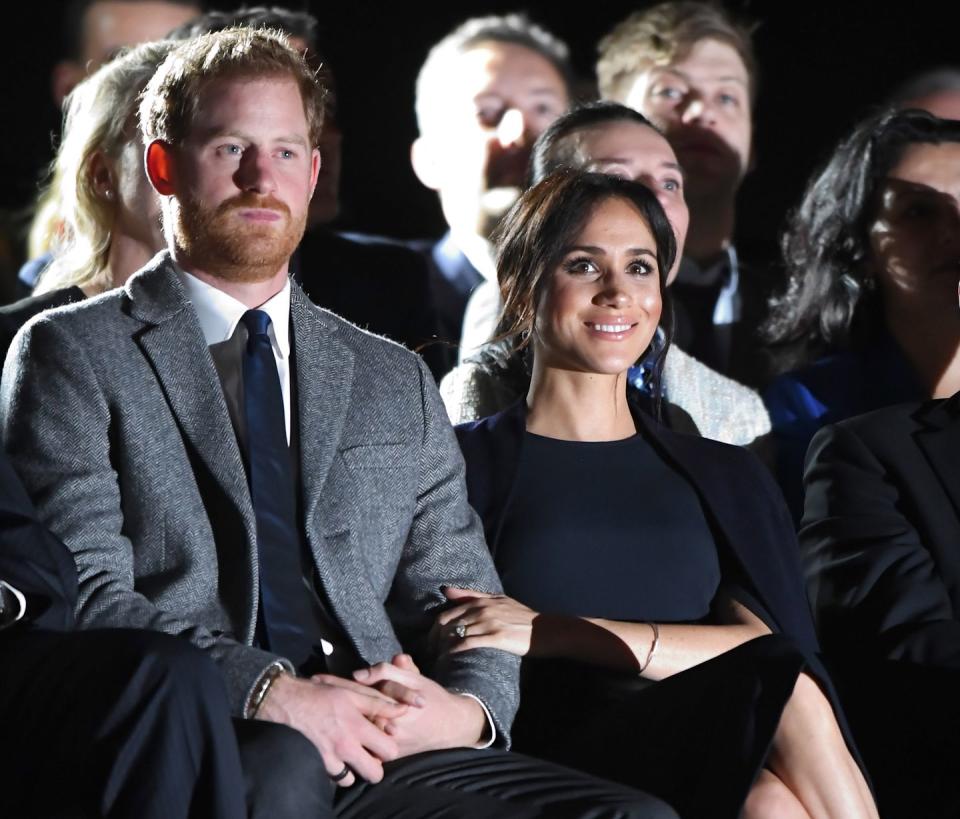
(216,241)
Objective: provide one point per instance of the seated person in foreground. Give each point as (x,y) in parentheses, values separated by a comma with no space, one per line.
(229,463)
(880,541)
(114,723)
(646,569)
(869,318)
(614,139)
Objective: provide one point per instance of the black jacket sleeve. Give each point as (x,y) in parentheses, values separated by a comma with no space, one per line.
(33,560)
(875,587)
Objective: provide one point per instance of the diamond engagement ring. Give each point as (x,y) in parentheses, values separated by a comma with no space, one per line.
(460,631)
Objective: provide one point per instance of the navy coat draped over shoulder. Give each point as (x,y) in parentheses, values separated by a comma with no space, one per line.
(739,497)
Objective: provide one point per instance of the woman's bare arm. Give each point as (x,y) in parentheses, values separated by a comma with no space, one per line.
(501,622)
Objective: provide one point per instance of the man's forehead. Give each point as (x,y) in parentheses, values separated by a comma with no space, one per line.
(707,60)
(109,25)
(485,66)
(232,104)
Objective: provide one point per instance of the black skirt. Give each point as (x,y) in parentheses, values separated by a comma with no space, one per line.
(697,739)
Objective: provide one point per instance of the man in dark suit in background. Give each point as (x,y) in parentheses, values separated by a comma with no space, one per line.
(880,538)
(229,463)
(689,66)
(484,94)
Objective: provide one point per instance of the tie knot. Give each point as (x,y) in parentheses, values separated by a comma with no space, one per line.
(257,322)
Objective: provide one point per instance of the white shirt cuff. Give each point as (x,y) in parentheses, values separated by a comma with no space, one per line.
(20,608)
(486,713)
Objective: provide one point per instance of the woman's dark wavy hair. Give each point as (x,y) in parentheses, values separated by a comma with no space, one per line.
(531,242)
(830,301)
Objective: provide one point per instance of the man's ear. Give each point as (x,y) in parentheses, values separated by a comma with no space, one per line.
(159,165)
(65,76)
(425,164)
(315,161)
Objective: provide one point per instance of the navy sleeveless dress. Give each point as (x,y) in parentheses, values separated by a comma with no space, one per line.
(610,530)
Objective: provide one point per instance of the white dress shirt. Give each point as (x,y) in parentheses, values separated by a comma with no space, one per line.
(220,313)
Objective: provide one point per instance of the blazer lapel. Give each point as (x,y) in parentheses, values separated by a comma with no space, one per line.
(939,440)
(323,368)
(324,375)
(174,344)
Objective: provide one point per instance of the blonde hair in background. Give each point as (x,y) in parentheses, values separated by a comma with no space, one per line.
(74,220)
(665,33)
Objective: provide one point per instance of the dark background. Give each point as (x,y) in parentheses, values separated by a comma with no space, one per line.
(823,65)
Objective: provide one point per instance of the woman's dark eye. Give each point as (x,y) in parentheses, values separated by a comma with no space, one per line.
(581,266)
(641,268)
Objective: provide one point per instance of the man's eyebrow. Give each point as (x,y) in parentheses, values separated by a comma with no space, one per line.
(296,139)
(230,133)
(683,75)
(544,91)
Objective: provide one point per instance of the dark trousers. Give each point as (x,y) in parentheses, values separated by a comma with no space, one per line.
(470,784)
(114,723)
(906,720)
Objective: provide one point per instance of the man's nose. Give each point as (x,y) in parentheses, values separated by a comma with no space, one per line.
(256,172)
(513,130)
(695,109)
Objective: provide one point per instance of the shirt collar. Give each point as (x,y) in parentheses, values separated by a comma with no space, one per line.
(219,313)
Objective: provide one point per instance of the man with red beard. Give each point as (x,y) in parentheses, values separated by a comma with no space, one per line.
(231,464)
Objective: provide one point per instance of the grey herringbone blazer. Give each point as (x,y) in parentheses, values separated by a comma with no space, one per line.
(114,417)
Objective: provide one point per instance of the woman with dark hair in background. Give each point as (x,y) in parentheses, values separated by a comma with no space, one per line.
(652,566)
(874,258)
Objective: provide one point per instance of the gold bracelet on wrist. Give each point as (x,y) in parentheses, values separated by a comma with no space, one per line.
(654,644)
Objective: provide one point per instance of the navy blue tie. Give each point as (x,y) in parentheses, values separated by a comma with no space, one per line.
(289,621)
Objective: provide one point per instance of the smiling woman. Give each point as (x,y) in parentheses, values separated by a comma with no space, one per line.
(582,264)
(652,576)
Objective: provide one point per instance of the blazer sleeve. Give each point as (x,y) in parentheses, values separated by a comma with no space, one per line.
(874,585)
(58,432)
(33,560)
(446,547)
